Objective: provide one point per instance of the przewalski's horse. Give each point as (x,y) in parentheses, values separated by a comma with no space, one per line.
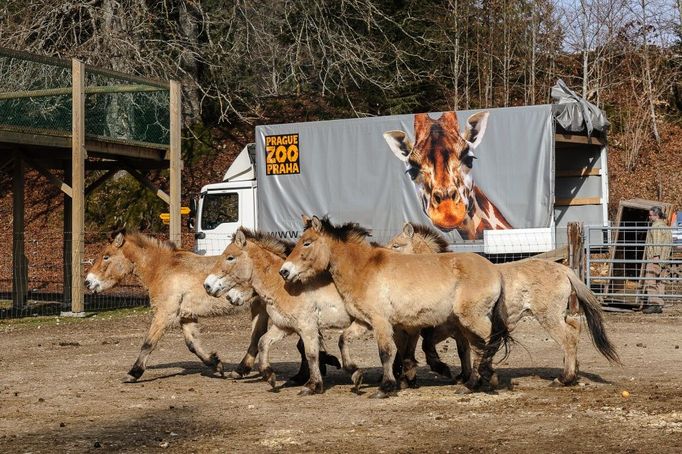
(251,261)
(548,291)
(385,290)
(174,280)
(440,162)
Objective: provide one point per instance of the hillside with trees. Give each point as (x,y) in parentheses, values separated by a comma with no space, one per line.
(244,63)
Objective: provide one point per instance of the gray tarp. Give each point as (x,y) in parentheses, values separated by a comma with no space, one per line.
(574,113)
(348,171)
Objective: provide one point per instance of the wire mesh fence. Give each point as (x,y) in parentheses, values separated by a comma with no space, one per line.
(39,283)
(36,97)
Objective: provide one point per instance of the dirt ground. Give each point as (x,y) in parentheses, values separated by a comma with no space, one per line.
(62,390)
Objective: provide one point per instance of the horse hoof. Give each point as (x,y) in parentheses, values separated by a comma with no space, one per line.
(136,372)
(381,395)
(306,392)
(464,390)
(442,369)
(272,380)
(129,379)
(235,375)
(219,369)
(357,379)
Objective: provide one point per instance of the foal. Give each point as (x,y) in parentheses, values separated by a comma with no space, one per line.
(386,290)
(251,262)
(548,291)
(174,280)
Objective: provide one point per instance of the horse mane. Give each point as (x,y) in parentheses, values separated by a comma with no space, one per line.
(433,239)
(146,241)
(350,232)
(277,246)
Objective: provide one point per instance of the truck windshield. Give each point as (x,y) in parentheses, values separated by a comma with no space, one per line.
(219,209)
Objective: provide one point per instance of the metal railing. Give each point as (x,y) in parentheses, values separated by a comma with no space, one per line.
(621,270)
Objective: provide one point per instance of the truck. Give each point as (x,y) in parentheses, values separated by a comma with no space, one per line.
(504,180)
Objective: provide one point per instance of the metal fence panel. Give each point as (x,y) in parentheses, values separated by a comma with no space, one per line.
(619,272)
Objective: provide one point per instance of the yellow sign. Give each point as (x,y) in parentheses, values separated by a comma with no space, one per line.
(165,217)
(282,157)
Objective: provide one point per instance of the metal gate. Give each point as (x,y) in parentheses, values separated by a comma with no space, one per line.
(620,271)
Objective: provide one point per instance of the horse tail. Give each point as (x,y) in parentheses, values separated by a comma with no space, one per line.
(500,335)
(594,316)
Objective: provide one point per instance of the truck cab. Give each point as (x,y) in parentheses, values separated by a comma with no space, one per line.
(224,207)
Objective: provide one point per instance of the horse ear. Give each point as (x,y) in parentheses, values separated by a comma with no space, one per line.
(240,239)
(316,224)
(408,230)
(399,143)
(119,239)
(306,221)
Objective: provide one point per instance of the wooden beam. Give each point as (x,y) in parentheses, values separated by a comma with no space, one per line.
(577,201)
(575,138)
(41,138)
(584,172)
(78,156)
(175,161)
(100,181)
(145,182)
(576,253)
(92,90)
(62,186)
(153,152)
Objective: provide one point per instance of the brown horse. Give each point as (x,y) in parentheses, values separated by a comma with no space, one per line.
(548,291)
(174,280)
(386,290)
(250,263)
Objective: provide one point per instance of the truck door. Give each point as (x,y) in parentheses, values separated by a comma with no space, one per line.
(220,214)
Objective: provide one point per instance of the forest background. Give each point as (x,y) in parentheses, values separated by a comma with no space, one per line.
(249,62)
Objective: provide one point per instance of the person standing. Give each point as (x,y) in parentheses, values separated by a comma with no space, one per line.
(658,243)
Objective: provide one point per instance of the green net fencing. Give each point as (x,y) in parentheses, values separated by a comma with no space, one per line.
(36,98)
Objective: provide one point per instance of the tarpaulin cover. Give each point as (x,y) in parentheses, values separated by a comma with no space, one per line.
(574,113)
(346,170)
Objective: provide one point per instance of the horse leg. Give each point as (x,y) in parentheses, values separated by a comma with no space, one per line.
(311,345)
(383,332)
(434,336)
(464,353)
(477,332)
(565,331)
(160,323)
(356,329)
(303,374)
(190,328)
(409,375)
(273,335)
(400,337)
(259,325)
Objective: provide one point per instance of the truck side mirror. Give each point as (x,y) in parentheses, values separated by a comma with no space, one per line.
(192,214)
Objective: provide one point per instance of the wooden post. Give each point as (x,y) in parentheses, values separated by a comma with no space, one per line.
(576,248)
(19,261)
(68,238)
(78,156)
(175,160)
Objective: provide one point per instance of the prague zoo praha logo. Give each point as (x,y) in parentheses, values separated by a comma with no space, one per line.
(282,155)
